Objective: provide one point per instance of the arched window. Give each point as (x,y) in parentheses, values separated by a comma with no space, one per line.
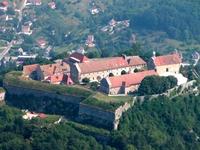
(123,72)
(111,75)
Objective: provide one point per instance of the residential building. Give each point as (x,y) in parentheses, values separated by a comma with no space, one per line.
(124,84)
(26,29)
(90,41)
(94,11)
(42,43)
(52,5)
(4,5)
(113,23)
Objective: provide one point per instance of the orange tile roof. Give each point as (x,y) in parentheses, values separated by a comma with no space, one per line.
(135,60)
(41,41)
(129,79)
(167,59)
(96,65)
(42,116)
(28,69)
(51,69)
(56,78)
(78,57)
(5,3)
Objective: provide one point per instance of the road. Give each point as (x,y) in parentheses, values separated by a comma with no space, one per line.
(6,50)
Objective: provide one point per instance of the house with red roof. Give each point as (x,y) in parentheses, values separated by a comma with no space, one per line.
(26,29)
(90,41)
(166,63)
(124,84)
(4,5)
(41,42)
(52,5)
(97,69)
(52,73)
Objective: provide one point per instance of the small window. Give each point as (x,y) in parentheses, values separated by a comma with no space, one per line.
(167,69)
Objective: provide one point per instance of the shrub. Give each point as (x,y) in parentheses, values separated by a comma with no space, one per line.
(94,86)
(86,80)
(156,85)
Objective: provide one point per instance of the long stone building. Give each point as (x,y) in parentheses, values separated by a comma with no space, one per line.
(158,65)
(97,69)
(124,84)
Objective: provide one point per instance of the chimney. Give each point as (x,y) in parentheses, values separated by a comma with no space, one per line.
(124,83)
(62,64)
(54,70)
(154,54)
(124,56)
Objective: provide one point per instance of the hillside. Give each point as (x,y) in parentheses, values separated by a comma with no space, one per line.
(161,124)
(155,24)
(158,124)
(177,20)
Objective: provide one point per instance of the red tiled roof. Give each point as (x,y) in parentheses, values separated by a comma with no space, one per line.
(78,57)
(42,116)
(51,69)
(41,41)
(56,78)
(135,60)
(28,69)
(96,65)
(5,3)
(167,59)
(25,28)
(129,79)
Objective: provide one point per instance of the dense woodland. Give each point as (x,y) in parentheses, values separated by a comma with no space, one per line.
(162,124)
(17,134)
(179,19)
(157,124)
